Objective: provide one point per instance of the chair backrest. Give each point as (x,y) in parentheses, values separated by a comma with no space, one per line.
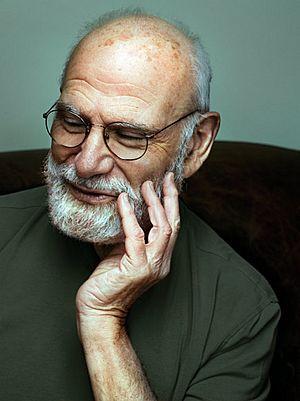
(249,193)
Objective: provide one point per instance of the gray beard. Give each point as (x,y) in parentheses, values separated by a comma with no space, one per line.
(99,224)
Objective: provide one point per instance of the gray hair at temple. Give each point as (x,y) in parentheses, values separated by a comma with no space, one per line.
(201,69)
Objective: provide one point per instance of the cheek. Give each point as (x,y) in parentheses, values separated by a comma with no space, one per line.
(149,168)
(163,153)
(61,154)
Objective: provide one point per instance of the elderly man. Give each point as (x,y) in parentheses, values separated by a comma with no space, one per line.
(162,312)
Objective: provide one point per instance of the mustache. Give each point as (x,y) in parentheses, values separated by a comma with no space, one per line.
(67,172)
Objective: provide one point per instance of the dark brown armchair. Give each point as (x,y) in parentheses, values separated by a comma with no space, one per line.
(249,193)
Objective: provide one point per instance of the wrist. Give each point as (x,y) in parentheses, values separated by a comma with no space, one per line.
(104,327)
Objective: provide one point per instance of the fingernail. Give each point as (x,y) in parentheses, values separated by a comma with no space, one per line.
(170,176)
(151,186)
(125,198)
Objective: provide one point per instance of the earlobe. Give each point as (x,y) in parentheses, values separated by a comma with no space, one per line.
(201,142)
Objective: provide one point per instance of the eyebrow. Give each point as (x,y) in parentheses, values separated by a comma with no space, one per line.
(70,107)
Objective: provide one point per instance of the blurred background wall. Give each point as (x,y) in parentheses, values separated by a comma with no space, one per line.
(253,46)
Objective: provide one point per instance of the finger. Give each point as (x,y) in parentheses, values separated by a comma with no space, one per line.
(160,232)
(171,205)
(134,235)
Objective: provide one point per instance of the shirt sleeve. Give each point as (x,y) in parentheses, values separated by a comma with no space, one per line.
(239,369)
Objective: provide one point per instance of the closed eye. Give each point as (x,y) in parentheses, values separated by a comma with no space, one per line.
(127,134)
(73,122)
(130,136)
(70,122)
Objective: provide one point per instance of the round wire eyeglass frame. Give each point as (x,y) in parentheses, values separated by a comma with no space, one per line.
(88,126)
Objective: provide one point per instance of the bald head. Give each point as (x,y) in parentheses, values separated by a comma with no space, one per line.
(148,47)
(134,84)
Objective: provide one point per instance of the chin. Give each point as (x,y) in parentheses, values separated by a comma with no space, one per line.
(97,223)
(82,221)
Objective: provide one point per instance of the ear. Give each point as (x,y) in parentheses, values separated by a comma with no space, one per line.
(201,142)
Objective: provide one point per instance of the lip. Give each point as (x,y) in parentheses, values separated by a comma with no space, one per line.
(91,196)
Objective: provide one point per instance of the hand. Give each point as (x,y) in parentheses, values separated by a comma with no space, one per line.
(134,266)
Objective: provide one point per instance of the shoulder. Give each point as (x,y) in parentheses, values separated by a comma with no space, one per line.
(22,200)
(17,208)
(204,245)
(228,291)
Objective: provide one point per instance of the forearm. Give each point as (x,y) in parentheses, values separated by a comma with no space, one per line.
(123,274)
(114,369)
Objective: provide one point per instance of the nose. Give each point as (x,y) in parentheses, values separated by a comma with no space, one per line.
(93,157)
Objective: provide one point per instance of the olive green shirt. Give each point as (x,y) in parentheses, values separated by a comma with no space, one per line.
(206,332)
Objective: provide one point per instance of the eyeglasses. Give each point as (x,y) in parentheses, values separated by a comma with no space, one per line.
(126,141)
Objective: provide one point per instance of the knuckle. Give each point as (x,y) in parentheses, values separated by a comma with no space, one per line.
(164,272)
(167,230)
(138,234)
(177,226)
(175,191)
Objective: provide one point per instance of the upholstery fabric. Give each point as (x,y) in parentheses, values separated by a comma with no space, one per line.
(249,193)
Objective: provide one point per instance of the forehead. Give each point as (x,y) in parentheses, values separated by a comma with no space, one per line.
(144,65)
(149,36)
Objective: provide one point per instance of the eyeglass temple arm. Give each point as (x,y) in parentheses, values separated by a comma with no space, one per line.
(45,115)
(175,122)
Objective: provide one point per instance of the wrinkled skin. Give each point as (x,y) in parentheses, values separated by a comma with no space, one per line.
(119,73)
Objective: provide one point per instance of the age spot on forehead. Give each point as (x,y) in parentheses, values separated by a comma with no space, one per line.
(108,42)
(126,36)
(176,54)
(116,36)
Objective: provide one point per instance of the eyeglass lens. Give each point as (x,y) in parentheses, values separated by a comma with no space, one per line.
(69,130)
